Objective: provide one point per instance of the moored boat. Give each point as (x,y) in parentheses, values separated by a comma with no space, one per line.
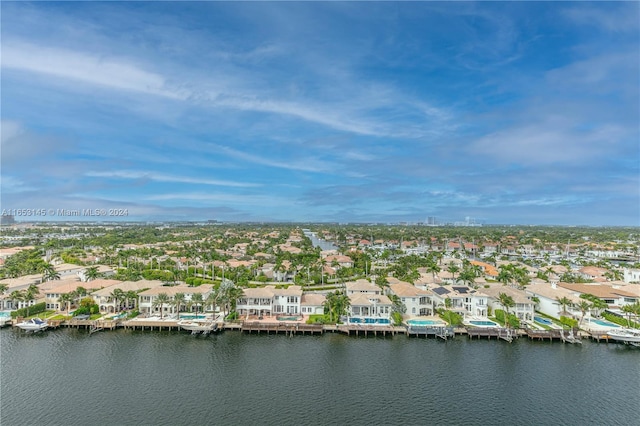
(197,326)
(33,324)
(627,335)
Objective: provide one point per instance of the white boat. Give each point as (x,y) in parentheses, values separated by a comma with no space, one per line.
(33,324)
(198,326)
(625,335)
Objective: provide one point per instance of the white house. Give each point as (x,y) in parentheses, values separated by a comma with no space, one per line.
(631,275)
(269,300)
(524,308)
(369,305)
(147,298)
(548,293)
(103,297)
(312,304)
(464,300)
(416,300)
(362,286)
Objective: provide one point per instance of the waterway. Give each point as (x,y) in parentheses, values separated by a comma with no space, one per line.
(318,242)
(66,377)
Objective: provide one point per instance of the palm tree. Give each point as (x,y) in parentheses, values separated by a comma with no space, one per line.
(507,302)
(117,295)
(336,303)
(453,269)
(29,295)
(131,295)
(212,300)
(91,273)
(3,288)
(66,299)
(468,276)
(178,300)
(197,300)
(16,297)
(505,274)
(433,268)
(49,272)
(161,300)
(233,294)
(536,301)
(381,281)
(584,307)
(563,302)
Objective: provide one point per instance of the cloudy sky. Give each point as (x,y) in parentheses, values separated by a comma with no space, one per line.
(523,113)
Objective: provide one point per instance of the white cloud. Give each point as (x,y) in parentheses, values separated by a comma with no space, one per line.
(160,177)
(86,68)
(251,199)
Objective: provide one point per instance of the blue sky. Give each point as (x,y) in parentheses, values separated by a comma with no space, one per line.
(514,112)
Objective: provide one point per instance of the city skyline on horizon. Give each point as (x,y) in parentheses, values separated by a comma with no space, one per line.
(509,113)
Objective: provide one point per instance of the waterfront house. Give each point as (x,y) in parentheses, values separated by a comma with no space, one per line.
(416,300)
(270,300)
(369,305)
(147,299)
(312,304)
(613,295)
(524,308)
(362,286)
(53,290)
(548,294)
(103,297)
(631,275)
(464,300)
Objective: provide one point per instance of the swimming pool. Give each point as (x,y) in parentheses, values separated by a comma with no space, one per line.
(288,318)
(190,316)
(369,321)
(603,323)
(483,323)
(416,322)
(543,320)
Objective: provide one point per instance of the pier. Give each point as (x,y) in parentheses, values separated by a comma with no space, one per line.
(437,332)
(370,330)
(506,334)
(286,328)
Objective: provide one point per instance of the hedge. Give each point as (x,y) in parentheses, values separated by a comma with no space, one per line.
(32,310)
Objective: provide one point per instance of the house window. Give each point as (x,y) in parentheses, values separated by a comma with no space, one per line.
(413,310)
(292,299)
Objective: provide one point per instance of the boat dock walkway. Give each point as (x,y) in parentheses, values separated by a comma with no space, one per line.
(506,334)
(442,332)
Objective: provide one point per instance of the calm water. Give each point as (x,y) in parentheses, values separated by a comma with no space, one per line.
(317,242)
(65,377)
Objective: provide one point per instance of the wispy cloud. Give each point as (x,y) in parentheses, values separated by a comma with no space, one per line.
(160,177)
(85,68)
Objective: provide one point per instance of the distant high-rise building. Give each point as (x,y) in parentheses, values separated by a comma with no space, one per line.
(431,221)
(7,219)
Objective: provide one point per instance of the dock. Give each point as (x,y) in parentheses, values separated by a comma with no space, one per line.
(151,324)
(370,330)
(505,334)
(283,327)
(429,331)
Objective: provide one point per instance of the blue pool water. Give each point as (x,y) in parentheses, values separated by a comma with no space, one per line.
(483,323)
(543,320)
(423,322)
(5,314)
(604,323)
(189,316)
(369,321)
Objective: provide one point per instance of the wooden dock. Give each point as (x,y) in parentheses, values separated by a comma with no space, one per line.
(564,336)
(428,331)
(283,327)
(152,324)
(370,330)
(505,334)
